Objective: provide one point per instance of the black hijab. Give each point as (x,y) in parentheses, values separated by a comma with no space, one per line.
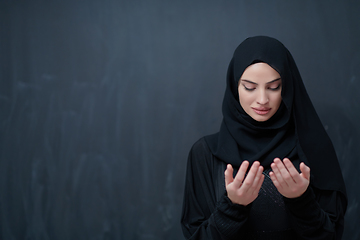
(295,131)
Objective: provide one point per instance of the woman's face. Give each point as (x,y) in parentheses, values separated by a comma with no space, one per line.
(260,91)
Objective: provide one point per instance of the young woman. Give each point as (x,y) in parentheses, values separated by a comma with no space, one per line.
(271,171)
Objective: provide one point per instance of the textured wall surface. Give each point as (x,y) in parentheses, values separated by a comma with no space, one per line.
(100,102)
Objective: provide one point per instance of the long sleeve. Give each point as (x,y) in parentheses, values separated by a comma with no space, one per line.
(207,212)
(310,219)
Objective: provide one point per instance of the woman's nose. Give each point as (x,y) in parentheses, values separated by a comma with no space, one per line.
(262,98)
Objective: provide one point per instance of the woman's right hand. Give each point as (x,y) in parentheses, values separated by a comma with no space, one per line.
(242,191)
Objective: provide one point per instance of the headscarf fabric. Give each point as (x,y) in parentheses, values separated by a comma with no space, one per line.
(295,131)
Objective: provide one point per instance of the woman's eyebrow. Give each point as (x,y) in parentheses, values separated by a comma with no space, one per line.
(274,80)
(248,81)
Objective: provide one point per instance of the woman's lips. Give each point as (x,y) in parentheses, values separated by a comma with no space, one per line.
(262,111)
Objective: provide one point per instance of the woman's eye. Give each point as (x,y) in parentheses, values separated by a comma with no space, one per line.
(275,88)
(248,88)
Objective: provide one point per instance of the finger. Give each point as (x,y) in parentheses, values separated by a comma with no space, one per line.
(278,174)
(258,175)
(249,180)
(241,174)
(292,171)
(275,181)
(258,182)
(285,175)
(229,174)
(305,171)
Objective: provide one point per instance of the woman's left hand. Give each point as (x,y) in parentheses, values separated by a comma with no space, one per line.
(288,181)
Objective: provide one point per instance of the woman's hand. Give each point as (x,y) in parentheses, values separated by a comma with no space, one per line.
(242,191)
(288,181)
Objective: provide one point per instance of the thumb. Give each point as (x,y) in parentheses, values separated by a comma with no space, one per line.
(305,171)
(229,175)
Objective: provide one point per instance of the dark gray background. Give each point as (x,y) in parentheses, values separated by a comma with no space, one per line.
(100,102)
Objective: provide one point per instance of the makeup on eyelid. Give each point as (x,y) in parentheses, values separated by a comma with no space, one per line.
(260,91)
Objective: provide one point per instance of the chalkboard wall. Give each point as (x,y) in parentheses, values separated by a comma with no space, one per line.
(100,102)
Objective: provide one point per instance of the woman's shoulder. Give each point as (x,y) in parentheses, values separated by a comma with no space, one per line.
(202,161)
(202,144)
(200,154)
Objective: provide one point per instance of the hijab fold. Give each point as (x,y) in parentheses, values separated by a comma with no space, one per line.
(295,130)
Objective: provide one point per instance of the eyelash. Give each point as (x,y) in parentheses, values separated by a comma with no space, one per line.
(249,89)
(277,88)
(272,89)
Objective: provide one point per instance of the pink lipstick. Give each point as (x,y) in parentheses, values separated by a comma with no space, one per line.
(262,111)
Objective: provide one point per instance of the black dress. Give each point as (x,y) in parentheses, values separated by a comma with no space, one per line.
(209,214)
(295,132)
